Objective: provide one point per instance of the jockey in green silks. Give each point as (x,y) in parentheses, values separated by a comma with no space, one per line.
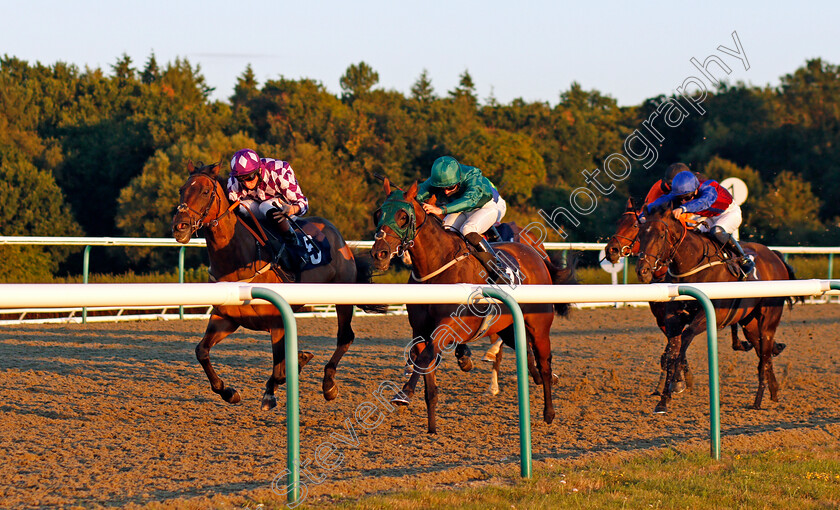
(469,202)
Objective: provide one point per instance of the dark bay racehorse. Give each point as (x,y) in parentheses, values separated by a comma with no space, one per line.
(625,243)
(691,257)
(442,256)
(236,254)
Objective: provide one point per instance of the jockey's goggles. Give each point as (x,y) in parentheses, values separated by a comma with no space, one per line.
(248,177)
(450,188)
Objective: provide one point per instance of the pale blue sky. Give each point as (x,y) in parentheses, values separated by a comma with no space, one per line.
(533,50)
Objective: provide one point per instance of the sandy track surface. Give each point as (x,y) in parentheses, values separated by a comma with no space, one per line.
(122,414)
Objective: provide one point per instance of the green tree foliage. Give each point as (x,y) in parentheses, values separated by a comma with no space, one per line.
(115,143)
(358,80)
(788,212)
(32,205)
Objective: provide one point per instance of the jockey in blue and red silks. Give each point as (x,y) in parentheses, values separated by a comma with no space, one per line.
(710,200)
(269,188)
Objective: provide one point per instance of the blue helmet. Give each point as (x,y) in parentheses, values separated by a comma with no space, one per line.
(684,183)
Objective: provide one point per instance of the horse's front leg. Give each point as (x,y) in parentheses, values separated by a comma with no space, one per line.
(344,338)
(420,358)
(671,365)
(218,328)
(431,394)
(542,352)
(278,372)
(494,374)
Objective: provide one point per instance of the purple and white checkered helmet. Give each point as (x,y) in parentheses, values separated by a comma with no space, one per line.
(244,162)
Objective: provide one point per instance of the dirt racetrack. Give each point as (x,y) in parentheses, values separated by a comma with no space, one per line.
(122,414)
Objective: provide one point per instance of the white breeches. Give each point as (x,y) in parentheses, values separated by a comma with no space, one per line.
(261,209)
(729,220)
(477,220)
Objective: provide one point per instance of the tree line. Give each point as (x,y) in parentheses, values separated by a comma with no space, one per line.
(96,153)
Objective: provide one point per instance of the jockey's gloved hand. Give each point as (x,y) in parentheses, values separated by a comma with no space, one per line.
(281,211)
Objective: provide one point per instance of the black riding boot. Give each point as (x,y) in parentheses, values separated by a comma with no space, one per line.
(487,256)
(292,255)
(727,240)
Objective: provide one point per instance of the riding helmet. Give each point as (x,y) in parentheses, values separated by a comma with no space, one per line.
(446,172)
(244,162)
(684,183)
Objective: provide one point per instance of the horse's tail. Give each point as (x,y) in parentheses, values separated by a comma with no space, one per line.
(791,300)
(364,273)
(563,275)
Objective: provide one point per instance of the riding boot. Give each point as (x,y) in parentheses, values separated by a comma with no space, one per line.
(487,256)
(728,241)
(292,253)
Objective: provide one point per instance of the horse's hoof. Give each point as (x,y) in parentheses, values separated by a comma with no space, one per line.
(677,387)
(555,380)
(408,371)
(400,400)
(304,358)
(493,390)
(269,402)
(660,409)
(745,346)
(230,396)
(465,363)
(548,417)
(330,390)
(778,348)
(656,393)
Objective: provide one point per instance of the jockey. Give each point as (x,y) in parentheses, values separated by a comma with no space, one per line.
(469,201)
(268,188)
(712,201)
(663,185)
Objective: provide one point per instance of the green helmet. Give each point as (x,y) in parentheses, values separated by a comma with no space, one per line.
(446,172)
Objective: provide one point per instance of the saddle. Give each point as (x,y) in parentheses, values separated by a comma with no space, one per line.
(289,259)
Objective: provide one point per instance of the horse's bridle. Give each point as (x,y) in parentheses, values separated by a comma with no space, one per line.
(197,217)
(406,239)
(627,249)
(660,261)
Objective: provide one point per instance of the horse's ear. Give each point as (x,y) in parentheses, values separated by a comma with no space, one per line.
(213,170)
(412,192)
(630,205)
(387,187)
(432,199)
(190,167)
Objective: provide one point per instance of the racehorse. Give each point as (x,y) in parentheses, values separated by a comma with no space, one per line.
(238,254)
(508,232)
(625,243)
(442,256)
(691,257)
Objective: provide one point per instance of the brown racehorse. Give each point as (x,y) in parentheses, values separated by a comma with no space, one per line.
(692,257)
(441,256)
(237,255)
(520,235)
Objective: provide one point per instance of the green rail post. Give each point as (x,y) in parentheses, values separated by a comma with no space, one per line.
(714,377)
(292,388)
(830,266)
(85,268)
(521,377)
(181,276)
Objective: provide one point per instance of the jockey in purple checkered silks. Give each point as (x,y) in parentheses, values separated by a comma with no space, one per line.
(268,188)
